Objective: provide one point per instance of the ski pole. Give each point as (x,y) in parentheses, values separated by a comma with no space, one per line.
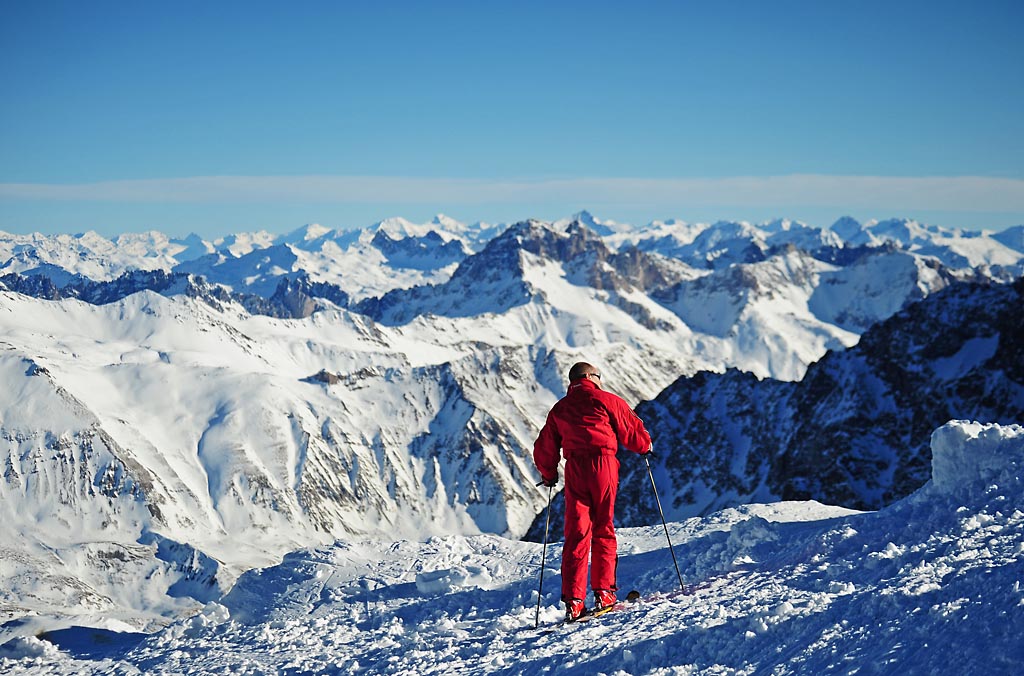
(682,587)
(543,555)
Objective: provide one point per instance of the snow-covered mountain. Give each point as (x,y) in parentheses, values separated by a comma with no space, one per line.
(955,247)
(722,244)
(174,423)
(393,253)
(854,431)
(187,425)
(798,293)
(929,585)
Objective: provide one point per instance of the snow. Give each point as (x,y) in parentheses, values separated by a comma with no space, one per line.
(929,585)
(954,247)
(157,448)
(973,353)
(768,318)
(971,456)
(860,294)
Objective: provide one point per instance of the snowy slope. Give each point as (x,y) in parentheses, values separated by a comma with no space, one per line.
(929,585)
(1013,238)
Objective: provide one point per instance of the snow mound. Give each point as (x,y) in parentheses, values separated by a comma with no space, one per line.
(450,579)
(968,454)
(27,648)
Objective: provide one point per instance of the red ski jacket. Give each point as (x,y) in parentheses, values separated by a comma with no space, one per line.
(587,421)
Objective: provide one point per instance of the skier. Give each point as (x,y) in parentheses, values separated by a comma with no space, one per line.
(588,424)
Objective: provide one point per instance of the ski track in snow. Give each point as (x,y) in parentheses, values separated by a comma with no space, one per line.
(930,585)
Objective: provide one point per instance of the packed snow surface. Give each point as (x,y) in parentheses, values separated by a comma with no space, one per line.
(930,585)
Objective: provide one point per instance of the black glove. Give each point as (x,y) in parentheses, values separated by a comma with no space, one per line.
(550,483)
(649,451)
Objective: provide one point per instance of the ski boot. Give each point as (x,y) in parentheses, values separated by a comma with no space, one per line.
(574,610)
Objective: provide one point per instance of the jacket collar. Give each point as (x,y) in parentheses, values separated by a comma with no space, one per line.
(585,383)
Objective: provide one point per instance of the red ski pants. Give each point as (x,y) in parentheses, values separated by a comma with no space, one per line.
(591,483)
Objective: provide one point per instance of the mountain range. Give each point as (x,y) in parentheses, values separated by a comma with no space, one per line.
(179,411)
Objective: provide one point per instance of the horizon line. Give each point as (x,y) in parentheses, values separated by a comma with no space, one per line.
(949,193)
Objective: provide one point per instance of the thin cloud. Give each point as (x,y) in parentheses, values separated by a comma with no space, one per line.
(954,193)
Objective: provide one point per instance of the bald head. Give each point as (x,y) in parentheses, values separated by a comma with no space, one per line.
(581,370)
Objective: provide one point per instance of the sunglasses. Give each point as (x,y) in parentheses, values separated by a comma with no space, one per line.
(595,375)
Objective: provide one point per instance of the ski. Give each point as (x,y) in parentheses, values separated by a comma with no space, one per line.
(632,597)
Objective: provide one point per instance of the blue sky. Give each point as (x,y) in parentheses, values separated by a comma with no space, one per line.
(216,117)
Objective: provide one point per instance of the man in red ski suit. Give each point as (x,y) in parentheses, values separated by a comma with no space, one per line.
(588,424)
